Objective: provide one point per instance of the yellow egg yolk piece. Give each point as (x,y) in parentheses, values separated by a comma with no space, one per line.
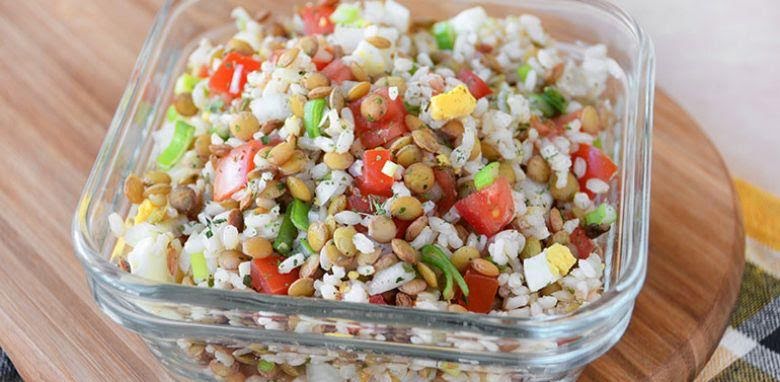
(560,259)
(455,103)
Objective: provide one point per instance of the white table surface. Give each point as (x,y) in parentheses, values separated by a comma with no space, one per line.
(720,59)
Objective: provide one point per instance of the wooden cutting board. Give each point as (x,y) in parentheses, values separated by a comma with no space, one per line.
(63,66)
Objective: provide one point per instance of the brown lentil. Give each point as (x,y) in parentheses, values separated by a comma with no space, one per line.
(257,247)
(413,123)
(236,219)
(281,153)
(379,42)
(590,120)
(532,248)
(244,126)
(414,287)
(337,205)
(403,299)
(419,178)
(342,237)
(287,57)
(159,188)
(358,72)
(358,91)
(134,189)
(373,107)
(296,105)
(310,267)
(416,227)
(338,161)
(336,99)
(484,267)
(320,92)
(156,176)
(240,46)
(426,139)
(556,220)
(406,208)
(405,251)
(317,235)
(456,308)
(566,193)
(537,169)
(299,189)
(428,275)
(295,165)
(229,259)
(183,104)
(462,256)
(408,155)
(381,228)
(308,45)
(385,261)
(303,287)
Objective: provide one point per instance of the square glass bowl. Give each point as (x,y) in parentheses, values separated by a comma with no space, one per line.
(328,340)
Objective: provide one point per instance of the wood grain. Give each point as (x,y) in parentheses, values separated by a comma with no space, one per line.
(63,66)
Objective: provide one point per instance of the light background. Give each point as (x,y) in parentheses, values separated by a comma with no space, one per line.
(720,59)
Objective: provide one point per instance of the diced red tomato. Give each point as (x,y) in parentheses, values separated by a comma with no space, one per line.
(373,181)
(377,299)
(599,166)
(547,127)
(449,193)
(564,120)
(322,58)
(232,170)
(489,209)
(362,203)
(582,242)
(384,130)
(337,71)
(477,87)
(401,226)
(230,77)
(482,291)
(266,277)
(316,19)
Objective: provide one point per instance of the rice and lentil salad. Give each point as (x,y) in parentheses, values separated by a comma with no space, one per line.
(350,154)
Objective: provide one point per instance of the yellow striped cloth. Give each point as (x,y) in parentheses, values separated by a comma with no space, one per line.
(750,348)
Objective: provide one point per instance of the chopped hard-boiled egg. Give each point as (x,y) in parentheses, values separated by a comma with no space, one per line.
(548,266)
(560,258)
(455,103)
(148,212)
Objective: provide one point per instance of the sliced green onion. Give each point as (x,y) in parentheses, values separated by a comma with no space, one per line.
(171,115)
(299,214)
(287,233)
(307,247)
(522,72)
(597,143)
(603,214)
(200,271)
(185,83)
(444,34)
(486,176)
(555,99)
(264,366)
(312,116)
(183,135)
(550,102)
(434,256)
(346,14)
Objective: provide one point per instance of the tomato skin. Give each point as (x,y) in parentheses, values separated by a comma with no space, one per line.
(384,130)
(316,19)
(377,299)
(582,242)
(482,291)
(477,87)
(489,209)
(401,226)
(599,166)
(232,170)
(373,181)
(266,277)
(220,82)
(449,193)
